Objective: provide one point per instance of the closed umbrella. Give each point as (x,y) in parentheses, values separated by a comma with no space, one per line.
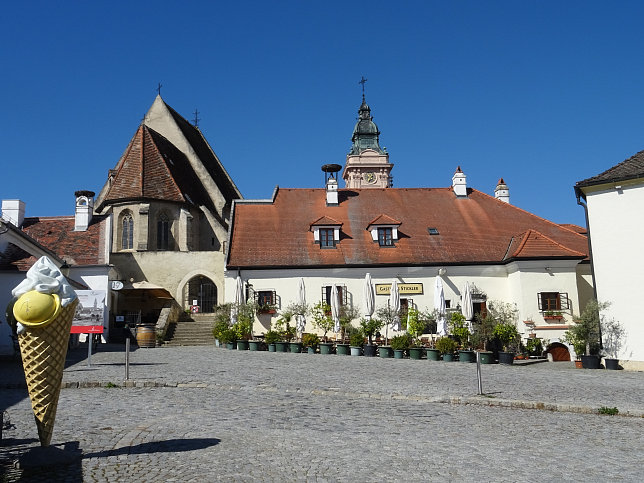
(439,306)
(369,297)
(239,299)
(335,308)
(394,305)
(301,301)
(467,309)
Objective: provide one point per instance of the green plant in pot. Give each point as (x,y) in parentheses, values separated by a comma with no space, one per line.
(356,341)
(321,314)
(447,347)
(228,337)
(508,336)
(369,328)
(310,341)
(401,343)
(271,338)
(613,334)
(585,332)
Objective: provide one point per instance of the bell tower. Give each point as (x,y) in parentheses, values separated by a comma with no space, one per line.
(367,164)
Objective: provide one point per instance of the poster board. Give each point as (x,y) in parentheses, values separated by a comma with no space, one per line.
(90,312)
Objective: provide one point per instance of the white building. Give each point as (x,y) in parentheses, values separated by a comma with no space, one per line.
(333,236)
(613,200)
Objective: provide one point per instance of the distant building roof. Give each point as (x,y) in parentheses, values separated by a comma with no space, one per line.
(630,168)
(471,230)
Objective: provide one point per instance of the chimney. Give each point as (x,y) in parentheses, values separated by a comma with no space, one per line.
(84,209)
(459,183)
(501,192)
(13,211)
(332,192)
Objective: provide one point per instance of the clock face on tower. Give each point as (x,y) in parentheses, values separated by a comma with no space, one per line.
(370,177)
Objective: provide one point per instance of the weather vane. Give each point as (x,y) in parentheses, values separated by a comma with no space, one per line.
(196,119)
(362,81)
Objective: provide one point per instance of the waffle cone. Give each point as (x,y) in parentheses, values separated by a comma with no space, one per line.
(43,351)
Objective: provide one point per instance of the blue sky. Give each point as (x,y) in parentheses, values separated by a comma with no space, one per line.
(543,94)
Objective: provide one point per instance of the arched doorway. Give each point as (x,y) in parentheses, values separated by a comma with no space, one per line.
(559,351)
(203,290)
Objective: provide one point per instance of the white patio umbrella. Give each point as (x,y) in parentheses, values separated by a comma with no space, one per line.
(335,308)
(239,299)
(301,300)
(467,309)
(439,305)
(394,305)
(369,297)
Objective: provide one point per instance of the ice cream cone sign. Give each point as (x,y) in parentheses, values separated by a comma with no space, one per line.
(43,306)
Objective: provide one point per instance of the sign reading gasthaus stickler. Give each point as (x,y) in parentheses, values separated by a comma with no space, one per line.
(403,288)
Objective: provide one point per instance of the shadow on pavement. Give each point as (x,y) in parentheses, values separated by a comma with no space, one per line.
(167,446)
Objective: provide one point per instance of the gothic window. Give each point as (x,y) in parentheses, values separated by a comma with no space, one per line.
(163,232)
(127,232)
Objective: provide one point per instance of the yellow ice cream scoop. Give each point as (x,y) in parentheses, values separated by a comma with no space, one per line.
(35,309)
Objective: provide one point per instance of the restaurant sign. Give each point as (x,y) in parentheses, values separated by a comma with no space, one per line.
(403,288)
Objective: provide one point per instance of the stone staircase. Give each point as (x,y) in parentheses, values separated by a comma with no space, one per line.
(197,331)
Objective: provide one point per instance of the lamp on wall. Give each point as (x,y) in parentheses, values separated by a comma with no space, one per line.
(442,272)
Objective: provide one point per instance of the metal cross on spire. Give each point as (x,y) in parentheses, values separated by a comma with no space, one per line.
(196,119)
(362,81)
(159,88)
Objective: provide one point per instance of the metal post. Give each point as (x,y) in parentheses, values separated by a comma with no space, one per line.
(127,358)
(89,350)
(478,372)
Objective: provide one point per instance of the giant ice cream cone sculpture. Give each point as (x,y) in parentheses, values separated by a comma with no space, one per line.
(44,308)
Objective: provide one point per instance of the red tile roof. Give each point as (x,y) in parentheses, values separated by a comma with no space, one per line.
(476,229)
(533,244)
(57,234)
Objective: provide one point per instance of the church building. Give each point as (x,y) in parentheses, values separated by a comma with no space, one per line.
(334,236)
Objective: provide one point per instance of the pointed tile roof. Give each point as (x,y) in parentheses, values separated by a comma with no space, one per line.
(326,221)
(153,168)
(384,220)
(532,244)
(476,229)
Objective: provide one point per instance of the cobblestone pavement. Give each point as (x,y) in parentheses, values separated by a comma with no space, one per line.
(211,414)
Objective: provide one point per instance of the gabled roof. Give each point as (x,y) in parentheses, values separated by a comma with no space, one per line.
(383,220)
(630,168)
(325,221)
(532,244)
(153,168)
(56,233)
(475,229)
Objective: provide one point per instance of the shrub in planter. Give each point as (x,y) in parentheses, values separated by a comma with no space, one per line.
(310,340)
(446,345)
(357,339)
(227,336)
(401,342)
(369,327)
(322,320)
(272,336)
(459,329)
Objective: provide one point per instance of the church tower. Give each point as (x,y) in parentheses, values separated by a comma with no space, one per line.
(367,164)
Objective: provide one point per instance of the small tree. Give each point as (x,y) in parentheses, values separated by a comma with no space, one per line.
(386,315)
(322,320)
(613,333)
(370,327)
(347,314)
(458,328)
(283,325)
(585,330)
(504,318)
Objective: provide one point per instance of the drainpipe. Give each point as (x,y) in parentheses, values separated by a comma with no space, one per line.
(583,204)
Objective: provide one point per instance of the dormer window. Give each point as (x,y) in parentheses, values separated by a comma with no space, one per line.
(384,230)
(385,237)
(326,232)
(327,238)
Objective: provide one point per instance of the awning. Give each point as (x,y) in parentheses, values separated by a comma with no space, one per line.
(138,288)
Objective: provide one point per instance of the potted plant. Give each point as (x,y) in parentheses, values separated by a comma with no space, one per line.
(310,341)
(369,327)
(585,331)
(415,327)
(613,334)
(228,337)
(322,320)
(356,342)
(220,325)
(446,346)
(271,338)
(400,344)
(287,333)
(534,347)
(507,335)
(461,332)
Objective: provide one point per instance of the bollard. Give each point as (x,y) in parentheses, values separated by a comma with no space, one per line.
(127,358)
(89,350)
(478,371)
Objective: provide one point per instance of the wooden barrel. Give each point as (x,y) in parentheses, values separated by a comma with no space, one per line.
(146,336)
